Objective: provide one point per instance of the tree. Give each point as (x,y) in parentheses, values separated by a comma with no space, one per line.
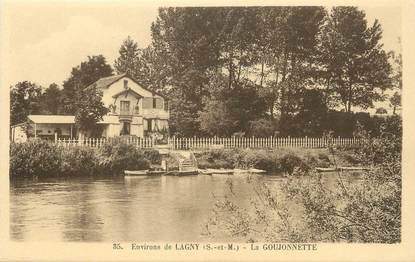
(229,111)
(81,77)
(311,117)
(128,59)
(51,100)
(144,65)
(355,67)
(89,110)
(395,100)
(24,100)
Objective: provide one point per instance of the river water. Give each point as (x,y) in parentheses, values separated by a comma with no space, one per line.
(122,209)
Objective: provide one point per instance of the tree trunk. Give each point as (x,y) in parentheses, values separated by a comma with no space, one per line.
(262,73)
(230,69)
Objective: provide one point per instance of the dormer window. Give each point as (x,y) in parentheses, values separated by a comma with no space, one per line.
(126,84)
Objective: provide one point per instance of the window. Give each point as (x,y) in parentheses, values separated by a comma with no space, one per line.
(154,102)
(126,84)
(125,107)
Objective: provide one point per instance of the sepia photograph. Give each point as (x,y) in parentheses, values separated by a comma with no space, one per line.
(278,127)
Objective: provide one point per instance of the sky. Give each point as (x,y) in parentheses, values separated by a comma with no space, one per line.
(41,43)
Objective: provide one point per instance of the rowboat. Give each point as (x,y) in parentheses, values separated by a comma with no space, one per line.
(136,172)
(220,171)
(341,168)
(256,171)
(204,172)
(157,173)
(182,173)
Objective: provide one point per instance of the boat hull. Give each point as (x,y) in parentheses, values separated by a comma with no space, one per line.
(182,173)
(136,172)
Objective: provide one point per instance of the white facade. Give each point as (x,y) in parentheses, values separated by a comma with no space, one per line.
(134,110)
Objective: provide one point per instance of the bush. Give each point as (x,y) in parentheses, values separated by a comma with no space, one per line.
(78,161)
(289,162)
(114,158)
(217,158)
(39,158)
(153,156)
(34,158)
(261,159)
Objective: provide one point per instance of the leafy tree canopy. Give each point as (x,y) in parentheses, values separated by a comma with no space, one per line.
(81,77)
(24,100)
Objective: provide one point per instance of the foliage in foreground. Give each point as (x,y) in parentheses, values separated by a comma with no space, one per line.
(39,158)
(311,207)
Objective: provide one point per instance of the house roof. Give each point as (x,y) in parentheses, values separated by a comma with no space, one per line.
(107,81)
(52,119)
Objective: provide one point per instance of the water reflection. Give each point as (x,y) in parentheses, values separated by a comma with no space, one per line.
(131,209)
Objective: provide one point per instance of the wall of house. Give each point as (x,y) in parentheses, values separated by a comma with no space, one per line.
(113,130)
(118,87)
(18,134)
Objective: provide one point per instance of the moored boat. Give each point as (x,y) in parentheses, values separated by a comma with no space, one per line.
(325,169)
(157,173)
(341,168)
(182,173)
(136,172)
(204,172)
(220,171)
(256,171)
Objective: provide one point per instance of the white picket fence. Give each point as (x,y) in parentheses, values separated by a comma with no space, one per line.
(258,142)
(198,143)
(98,142)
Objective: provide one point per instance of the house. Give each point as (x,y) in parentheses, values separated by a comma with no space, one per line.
(133,110)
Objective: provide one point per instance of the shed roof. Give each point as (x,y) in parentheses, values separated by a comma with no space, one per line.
(52,119)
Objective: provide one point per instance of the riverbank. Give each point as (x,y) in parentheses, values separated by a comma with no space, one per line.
(274,160)
(37,158)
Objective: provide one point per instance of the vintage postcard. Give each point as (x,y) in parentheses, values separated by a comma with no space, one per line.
(214,131)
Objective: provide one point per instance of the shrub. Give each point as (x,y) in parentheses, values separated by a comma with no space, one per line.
(289,162)
(217,158)
(39,158)
(34,158)
(78,161)
(116,157)
(153,156)
(260,159)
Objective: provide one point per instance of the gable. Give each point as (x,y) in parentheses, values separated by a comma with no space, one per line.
(126,92)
